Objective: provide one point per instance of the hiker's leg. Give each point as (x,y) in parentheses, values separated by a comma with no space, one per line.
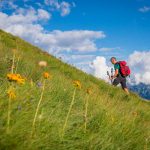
(126,90)
(116,81)
(124,86)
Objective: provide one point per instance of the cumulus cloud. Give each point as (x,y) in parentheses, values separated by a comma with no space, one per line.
(140,64)
(4,4)
(144,9)
(25,23)
(23,16)
(81,61)
(43,14)
(12,5)
(79,58)
(106,49)
(100,67)
(63,7)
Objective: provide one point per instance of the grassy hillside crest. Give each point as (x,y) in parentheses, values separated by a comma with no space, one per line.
(59,107)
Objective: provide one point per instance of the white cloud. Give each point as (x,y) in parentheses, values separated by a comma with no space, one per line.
(105,49)
(25,23)
(82,57)
(140,66)
(100,68)
(63,7)
(43,14)
(144,9)
(23,16)
(12,5)
(39,4)
(79,58)
(139,62)
(81,61)
(4,4)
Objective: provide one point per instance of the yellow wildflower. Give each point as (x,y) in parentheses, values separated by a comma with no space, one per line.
(77,84)
(21,81)
(11,94)
(46,75)
(16,78)
(88,91)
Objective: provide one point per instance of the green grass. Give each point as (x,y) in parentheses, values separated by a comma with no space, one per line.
(114,120)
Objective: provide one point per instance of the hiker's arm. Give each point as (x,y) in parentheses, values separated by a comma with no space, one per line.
(116,73)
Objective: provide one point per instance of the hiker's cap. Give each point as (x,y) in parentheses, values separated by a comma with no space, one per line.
(112,58)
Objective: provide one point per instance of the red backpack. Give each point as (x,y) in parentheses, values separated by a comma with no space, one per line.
(124,69)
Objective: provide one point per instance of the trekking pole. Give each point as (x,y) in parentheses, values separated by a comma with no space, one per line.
(109,76)
(112,73)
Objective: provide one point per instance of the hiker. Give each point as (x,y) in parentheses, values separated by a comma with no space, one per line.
(121,72)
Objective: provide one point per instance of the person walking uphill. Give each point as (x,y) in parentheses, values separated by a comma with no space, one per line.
(121,72)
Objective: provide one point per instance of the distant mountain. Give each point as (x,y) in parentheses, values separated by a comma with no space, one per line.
(142,89)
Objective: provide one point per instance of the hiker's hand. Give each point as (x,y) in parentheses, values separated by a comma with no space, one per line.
(111,78)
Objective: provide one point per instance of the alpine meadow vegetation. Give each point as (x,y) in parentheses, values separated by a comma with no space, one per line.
(46,104)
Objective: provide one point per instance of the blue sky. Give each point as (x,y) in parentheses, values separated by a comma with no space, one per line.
(124,25)
(79,31)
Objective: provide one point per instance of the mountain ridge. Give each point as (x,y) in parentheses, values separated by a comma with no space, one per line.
(141,89)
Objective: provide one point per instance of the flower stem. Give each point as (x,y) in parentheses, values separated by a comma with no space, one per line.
(12,67)
(86,111)
(8,115)
(37,109)
(17,64)
(67,117)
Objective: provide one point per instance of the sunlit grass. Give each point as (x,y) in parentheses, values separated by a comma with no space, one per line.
(88,92)
(50,108)
(77,85)
(11,96)
(46,76)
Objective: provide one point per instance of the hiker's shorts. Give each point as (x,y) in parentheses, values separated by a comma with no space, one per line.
(121,80)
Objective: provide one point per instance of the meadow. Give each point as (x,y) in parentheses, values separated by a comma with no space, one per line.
(59,107)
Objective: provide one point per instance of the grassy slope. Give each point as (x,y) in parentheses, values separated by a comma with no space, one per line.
(115,121)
